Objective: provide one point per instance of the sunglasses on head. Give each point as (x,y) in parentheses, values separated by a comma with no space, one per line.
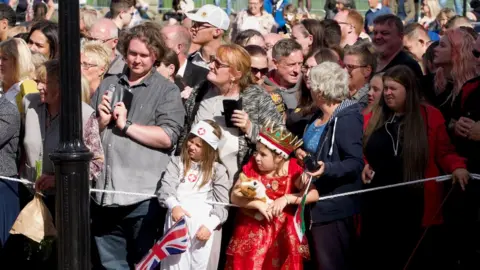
(263,71)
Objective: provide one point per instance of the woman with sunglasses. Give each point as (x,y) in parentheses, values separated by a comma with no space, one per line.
(259,70)
(230,83)
(456,64)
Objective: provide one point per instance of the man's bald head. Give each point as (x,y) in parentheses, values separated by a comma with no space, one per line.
(177,38)
(271,39)
(104,29)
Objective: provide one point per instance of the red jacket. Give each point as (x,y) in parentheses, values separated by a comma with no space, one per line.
(441,156)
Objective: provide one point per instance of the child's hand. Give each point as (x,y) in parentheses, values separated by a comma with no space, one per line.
(178,213)
(276,208)
(264,210)
(203,234)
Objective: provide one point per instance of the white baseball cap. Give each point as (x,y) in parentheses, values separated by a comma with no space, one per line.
(211,14)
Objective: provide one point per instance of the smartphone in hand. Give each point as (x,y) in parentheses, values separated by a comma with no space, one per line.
(228,107)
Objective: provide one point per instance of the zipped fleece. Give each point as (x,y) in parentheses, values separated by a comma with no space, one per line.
(341,150)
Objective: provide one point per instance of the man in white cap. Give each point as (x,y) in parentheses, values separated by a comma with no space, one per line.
(209,24)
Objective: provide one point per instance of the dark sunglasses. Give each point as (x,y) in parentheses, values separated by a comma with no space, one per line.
(263,71)
(476,53)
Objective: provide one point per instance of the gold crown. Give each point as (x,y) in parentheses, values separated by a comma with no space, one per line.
(280,136)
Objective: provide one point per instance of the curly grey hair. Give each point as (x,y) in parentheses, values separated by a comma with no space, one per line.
(330,81)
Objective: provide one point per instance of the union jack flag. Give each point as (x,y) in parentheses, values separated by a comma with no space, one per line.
(174,241)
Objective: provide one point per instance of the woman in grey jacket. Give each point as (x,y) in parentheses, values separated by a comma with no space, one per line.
(9,137)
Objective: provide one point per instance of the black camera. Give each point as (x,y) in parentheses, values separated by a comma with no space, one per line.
(311,164)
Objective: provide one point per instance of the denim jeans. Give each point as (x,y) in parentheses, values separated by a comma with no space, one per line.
(229,5)
(458,5)
(123,235)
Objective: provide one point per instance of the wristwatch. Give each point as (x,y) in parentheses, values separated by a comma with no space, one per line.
(127,125)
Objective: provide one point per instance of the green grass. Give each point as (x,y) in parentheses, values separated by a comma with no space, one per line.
(317,5)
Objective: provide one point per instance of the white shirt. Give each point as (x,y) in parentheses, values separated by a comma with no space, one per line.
(182,68)
(12,93)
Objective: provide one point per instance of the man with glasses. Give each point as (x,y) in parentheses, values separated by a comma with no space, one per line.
(106,31)
(121,12)
(360,63)
(288,59)
(209,25)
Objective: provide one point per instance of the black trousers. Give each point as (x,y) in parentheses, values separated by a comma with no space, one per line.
(333,244)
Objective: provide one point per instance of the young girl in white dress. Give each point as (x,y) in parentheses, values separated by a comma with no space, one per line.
(190,180)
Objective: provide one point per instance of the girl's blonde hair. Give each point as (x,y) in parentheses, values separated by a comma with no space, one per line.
(17,50)
(209,155)
(97,52)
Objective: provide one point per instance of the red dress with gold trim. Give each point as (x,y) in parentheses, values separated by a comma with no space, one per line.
(268,245)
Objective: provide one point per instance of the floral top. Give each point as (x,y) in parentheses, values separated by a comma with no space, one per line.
(264,24)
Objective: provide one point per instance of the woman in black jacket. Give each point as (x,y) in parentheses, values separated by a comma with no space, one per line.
(333,140)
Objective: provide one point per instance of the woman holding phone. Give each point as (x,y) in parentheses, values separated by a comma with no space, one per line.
(239,106)
(232,99)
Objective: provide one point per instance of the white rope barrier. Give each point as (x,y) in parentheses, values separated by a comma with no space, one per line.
(438,179)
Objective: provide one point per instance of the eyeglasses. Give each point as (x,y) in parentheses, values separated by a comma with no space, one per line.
(351,68)
(87,66)
(305,69)
(200,26)
(97,39)
(217,63)
(262,71)
(476,53)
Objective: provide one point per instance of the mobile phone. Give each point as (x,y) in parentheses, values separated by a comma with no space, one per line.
(311,164)
(228,107)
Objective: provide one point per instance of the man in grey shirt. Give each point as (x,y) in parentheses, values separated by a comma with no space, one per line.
(287,57)
(137,139)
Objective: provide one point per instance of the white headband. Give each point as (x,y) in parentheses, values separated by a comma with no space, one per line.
(205,132)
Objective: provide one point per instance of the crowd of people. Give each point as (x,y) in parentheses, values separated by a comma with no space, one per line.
(210,109)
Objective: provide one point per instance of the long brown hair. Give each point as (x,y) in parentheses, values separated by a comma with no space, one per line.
(209,155)
(414,134)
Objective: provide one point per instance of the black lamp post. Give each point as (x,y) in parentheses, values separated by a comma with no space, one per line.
(72,157)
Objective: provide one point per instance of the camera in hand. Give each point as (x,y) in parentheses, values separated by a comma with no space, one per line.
(311,164)
(228,107)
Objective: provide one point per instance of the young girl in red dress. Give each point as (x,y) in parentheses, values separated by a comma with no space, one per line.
(272,242)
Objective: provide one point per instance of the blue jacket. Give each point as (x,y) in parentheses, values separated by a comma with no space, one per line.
(341,150)
(268,5)
(370,16)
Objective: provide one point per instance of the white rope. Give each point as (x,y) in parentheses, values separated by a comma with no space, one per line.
(438,179)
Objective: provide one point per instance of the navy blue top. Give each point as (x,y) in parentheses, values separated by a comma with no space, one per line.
(370,16)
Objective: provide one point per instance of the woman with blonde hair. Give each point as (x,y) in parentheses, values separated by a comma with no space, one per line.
(95,60)
(430,10)
(443,17)
(16,68)
(455,64)
(88,16)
